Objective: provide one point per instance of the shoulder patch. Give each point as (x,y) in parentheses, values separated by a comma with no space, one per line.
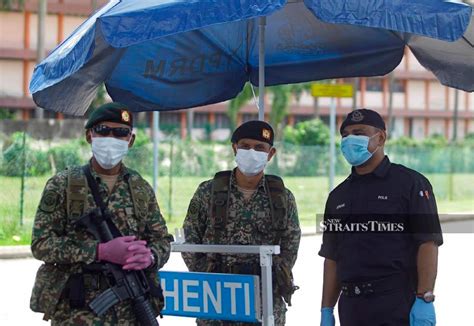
(49,201)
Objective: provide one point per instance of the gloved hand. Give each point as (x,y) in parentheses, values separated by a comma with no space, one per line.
(422,313)
(139,261)
(283,277)
(327,316)
(118,250)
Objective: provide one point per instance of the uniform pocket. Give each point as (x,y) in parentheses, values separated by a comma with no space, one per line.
(385,207)
(126,221)
(263,227)
(49,285)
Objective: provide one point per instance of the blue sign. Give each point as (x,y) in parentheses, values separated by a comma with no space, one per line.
(211,295)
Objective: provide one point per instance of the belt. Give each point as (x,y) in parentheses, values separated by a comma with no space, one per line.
(374,287)
(250,269)
(95,282)
(93,276)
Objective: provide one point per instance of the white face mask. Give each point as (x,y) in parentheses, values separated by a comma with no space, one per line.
(251,162)
(109,151)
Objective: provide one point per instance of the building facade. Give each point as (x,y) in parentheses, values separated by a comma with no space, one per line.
(421,105)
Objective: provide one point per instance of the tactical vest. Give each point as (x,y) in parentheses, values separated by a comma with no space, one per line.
(52,279)
(220,204)
(77,190)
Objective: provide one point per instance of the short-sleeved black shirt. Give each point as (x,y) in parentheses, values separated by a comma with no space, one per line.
(394,194)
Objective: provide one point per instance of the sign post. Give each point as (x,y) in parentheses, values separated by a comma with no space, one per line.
(332,90)
(265,253)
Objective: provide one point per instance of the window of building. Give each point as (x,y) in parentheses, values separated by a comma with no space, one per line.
(248,117)
(169,118)
(170,122)
(398,85)
(301,118)
(47,114)
(374,85)
(74,117)
(222,121)
(201,119)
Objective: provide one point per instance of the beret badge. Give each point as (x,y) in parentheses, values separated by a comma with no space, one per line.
(267,134)
(357,116)
(125,116)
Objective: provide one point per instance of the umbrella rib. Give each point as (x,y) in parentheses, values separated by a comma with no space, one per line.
(247,50)
(468,42)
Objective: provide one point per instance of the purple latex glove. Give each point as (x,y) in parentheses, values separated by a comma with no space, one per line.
(139,261)
(118,250)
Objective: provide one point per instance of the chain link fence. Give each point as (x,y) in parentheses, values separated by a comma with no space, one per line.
(26,164)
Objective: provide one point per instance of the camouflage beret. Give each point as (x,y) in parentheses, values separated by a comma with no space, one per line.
(363,117)
(255,129)
(110,112)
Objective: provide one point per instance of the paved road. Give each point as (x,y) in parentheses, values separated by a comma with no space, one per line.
(454,287)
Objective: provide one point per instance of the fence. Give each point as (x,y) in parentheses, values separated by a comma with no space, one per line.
(26,164)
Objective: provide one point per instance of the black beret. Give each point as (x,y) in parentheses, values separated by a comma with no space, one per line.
(255,129)
(110,112)
(363,117)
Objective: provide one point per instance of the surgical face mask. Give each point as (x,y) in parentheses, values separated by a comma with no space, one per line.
(251,162)
(109,151)
(355,149)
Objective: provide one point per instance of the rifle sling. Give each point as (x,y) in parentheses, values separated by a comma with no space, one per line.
(99,201)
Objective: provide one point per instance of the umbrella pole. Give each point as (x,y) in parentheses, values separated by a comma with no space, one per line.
(262,21)
(156,129)
(332,143)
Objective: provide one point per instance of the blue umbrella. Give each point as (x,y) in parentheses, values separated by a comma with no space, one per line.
(176,54)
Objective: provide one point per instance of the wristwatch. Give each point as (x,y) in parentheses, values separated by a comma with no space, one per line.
(427,296)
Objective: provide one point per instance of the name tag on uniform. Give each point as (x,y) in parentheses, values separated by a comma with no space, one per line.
(381,197)
(341,206)
(129,210)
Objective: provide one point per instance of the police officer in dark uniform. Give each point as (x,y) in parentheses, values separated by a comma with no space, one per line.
(381,235)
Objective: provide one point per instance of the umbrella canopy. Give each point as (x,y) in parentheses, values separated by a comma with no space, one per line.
(176,54)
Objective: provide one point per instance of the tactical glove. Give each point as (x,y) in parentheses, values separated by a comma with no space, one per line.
(118,250)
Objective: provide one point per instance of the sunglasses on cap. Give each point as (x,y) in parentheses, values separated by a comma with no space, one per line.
(117,132)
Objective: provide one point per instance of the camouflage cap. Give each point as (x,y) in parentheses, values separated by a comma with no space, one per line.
(363,117)
(255,129)
(111,112)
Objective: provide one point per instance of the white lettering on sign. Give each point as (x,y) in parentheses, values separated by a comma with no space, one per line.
(231,297)
(247,299)
(232,286)
(189,295)
(215,299)
(174,293)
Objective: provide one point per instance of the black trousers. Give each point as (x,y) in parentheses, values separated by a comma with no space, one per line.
(385,309)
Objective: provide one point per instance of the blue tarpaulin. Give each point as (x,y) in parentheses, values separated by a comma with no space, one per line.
(176,54)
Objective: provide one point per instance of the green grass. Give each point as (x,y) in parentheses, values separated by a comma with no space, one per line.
(454,194)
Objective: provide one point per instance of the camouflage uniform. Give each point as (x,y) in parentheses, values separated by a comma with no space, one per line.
(249,223)
(66,250)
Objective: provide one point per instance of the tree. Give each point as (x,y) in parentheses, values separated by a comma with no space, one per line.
(279,109)
(237,103)
(282,96)
(307,133)
(11,4)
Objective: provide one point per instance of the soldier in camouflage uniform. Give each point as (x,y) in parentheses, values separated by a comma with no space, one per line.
(64,284)
(246,207)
